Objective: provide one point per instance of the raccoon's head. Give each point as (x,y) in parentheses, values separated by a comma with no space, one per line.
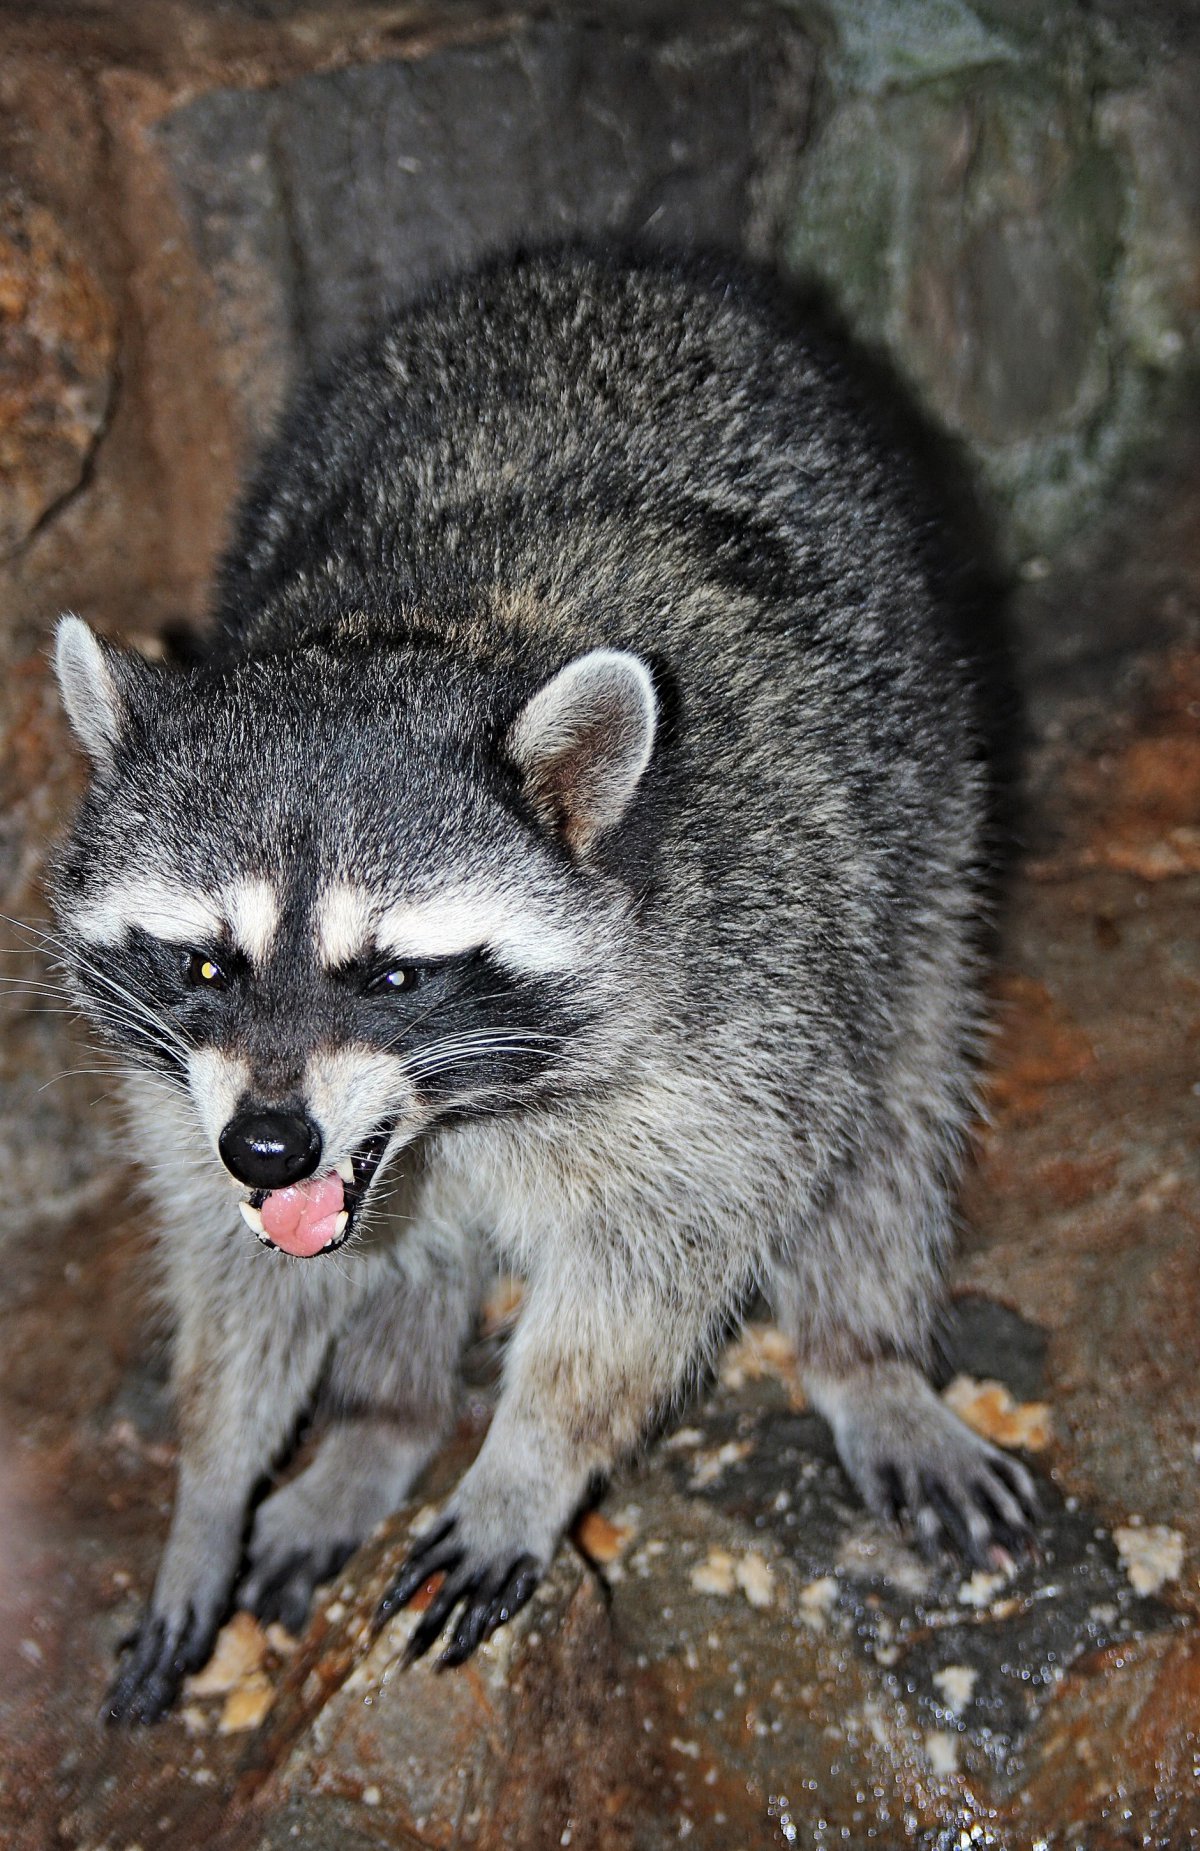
(339,898)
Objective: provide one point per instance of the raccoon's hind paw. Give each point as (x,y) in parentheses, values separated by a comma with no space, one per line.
(488,1592)
(915,1463)
(985,1515)
(281,1584)
(160,1655)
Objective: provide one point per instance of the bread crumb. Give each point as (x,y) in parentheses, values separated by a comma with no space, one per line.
(989,1408)
(715,1575)
(240,1649)
(600,1539)
(762,1350)
(753,1575)
(816,1599)
(246,1706)
(710,1465)
(1151,1555)
(956,1684)
(682,1438)
(978,1591)
(942,1749)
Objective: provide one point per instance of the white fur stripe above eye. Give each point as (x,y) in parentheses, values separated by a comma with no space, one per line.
(343,923)
(252,908)
(447,925)
(177,914)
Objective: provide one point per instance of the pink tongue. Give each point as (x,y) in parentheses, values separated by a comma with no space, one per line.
(303,1219)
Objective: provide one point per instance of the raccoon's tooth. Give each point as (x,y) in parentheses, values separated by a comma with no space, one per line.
(345,1169)
(340,1223)
(253,1218)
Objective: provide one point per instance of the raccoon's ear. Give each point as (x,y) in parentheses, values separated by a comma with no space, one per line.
(95,681)
(583,741)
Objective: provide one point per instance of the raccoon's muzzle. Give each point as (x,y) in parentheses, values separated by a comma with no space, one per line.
(315,1215)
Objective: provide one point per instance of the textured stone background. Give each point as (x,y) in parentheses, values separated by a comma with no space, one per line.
(1002,201)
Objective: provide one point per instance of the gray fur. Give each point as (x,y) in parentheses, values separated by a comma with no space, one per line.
(724,873)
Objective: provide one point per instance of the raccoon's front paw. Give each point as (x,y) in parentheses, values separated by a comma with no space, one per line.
(301,1536)
(915,1463)
(488,1588)
(164,1649)
(283,1578)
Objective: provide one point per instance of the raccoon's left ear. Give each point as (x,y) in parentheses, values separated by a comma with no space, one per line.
(584,740)
(95,681)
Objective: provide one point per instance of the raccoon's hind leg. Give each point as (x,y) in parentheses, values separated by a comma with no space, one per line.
(914,1462)
(858,1294)
(391,1389)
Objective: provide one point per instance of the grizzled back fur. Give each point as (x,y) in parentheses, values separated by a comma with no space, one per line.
(568,452)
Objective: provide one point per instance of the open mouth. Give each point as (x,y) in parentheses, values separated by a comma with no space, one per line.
(317,1215)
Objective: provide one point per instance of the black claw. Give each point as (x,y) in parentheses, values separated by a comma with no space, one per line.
(953,1518)
(431,1622)
(891,1491)
(149,1680)
(473,1620)
(1016,1539)
(1021,1487)
(516,1591)
(438,1550)
(467,1635)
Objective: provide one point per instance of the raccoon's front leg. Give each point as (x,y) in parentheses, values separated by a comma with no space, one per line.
(245,1369)
(392,1385)
(591,1361)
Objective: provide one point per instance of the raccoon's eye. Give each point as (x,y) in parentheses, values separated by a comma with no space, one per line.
(203,972)
(401,977)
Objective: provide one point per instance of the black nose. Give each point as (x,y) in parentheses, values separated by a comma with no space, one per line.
(269,1150)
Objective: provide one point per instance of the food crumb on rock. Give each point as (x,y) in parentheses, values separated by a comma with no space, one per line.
(990,1409)
(1151,1555)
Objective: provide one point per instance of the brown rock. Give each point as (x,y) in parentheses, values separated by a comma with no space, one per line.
(58,344)
(1038,1046)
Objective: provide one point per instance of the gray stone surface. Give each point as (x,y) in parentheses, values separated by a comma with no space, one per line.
(317,205)
(1002,200)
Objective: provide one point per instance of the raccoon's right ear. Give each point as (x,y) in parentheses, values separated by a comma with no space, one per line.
(95,681)
(583,741)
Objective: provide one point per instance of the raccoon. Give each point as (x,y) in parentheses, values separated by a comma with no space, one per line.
(566,855)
